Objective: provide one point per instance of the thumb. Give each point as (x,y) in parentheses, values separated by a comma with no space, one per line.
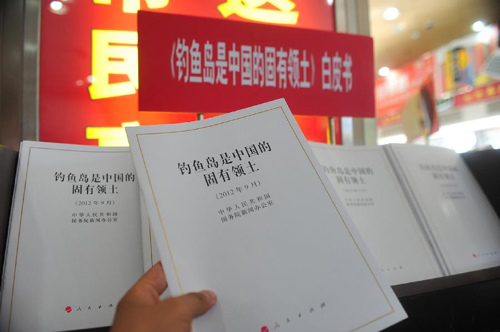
(196,304)
(149,287)
(153,279)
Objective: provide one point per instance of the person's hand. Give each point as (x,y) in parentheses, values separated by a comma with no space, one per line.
(141,309)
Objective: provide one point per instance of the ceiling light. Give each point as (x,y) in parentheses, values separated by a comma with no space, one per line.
(477,26)
(384,71)
(390,14)
(56,5)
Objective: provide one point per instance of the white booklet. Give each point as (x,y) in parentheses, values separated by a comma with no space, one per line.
(451,205)
(373,197)
(74,245)
(239,205)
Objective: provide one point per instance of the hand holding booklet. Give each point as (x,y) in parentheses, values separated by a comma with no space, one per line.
(238,204)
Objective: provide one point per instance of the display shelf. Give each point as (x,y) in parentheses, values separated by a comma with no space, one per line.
(443,283)
(485,166)
(463,302)
(8,163)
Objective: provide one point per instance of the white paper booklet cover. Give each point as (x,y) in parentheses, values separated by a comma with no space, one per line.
(240,205)
(371,194)
(149,251)
(454,207)
(74,245)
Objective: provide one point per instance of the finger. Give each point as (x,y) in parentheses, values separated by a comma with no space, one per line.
(196,304)
(154,278)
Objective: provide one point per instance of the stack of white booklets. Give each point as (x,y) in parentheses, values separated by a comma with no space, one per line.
(238,204)
(451,206)
(74,245)
(418,208)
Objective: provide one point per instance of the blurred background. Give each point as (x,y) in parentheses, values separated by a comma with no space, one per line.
(68,69)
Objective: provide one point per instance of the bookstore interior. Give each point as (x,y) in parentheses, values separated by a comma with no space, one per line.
(138,131)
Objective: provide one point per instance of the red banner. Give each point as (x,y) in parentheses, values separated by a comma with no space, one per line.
(88,62)
(491,91)
(189,63)
(394,92)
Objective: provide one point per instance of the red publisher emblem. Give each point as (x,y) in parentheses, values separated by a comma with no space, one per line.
(68,309)
(475,256)
(264,329)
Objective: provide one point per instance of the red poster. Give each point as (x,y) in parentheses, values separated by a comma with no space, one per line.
(394,91)
(480,94)
(190,63)
(88,61)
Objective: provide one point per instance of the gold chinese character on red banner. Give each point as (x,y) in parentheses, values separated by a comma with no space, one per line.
(113,53)
(132,6)
(252,10)
(110,136)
